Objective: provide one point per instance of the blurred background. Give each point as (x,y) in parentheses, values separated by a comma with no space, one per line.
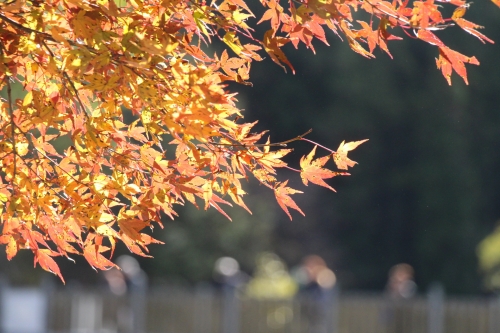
(426,191)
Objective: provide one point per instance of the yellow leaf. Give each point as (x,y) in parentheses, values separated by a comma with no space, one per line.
(96,82)
(76,63)
(199,17)
(105,217)
(121,3)
(100,182)
(240,18)
(146,117)
(5,147)
(119,177)
(233,42)
(3,197)
(22,148)
(27,45)
(132,189)
(147,90)
(28,98)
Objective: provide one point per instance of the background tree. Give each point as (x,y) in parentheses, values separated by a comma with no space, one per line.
(427,190)
(82,65)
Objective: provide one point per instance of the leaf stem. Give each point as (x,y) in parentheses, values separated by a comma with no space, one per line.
(276,144)
(293,169)
(317,144)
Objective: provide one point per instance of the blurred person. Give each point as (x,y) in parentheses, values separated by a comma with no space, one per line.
(271,279)
(313,275)
(115,281)
(400,284)
(136,278)
(130,280)
(400,287)
(227,273)
(317,284)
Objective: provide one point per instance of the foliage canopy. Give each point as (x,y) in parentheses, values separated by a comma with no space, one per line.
(82,64)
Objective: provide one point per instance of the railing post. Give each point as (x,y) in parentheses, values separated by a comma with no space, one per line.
(231,310)
(203,309)
(329,309)
(3,287)
(23,310)
(48,288)
(435,308)
(494,315)
(138,298)
(86,312)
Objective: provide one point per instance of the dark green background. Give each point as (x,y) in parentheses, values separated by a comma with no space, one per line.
(425,192)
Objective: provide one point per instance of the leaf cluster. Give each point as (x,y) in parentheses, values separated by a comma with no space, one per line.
(82,63)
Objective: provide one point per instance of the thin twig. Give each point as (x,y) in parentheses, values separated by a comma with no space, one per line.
(317,144)
(290,168)
(276,144)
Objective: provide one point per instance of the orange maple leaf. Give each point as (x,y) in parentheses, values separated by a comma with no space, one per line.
(92,250)
(352,40)
(135,246)
(43,257)
(449,59)
(273,45)
(469,26)
(340,157)
(313,172)
(12,246)
(282,195)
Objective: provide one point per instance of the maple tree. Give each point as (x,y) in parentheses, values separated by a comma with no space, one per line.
(83,63)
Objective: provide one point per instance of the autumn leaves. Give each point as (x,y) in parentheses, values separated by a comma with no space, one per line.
(147,115)
(312,170)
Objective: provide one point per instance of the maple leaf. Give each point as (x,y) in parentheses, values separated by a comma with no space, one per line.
(12,246)
(273,45)
(274,13)
(312,171)
(469,26)
(43,258)
(282,193)
(92,253)
(425,14)
(430,38)
(340,156)
(131,227)
(233,42)
(449,59)
(352,40)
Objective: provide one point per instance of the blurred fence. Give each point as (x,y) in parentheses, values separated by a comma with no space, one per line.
(205,310)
